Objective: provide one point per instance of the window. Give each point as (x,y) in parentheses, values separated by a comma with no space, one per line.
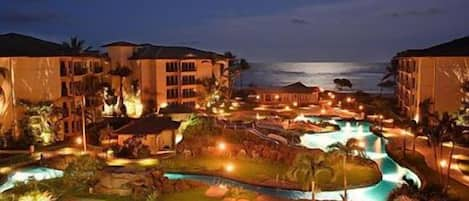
(188,79)
(172,93)
(188,66)
(65,126)
(64,89)
(222,69)
(64,110)
(171,80)
(63,69)
(172,66)
(188,93)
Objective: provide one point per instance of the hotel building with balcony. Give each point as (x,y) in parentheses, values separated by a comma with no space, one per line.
(38,71)
(431,73)
(167,74)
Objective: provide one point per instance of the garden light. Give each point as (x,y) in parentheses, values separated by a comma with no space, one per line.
(443,163)
(221,146)
(229,167)
(79,141)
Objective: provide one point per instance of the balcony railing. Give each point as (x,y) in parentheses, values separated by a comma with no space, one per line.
(98,69)
(78,70)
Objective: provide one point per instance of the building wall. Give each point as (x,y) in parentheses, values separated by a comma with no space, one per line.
(38,79)
(435,78)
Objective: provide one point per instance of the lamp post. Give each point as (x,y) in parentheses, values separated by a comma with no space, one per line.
(83,122)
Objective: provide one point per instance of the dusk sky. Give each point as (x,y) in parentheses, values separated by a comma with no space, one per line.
(263,30)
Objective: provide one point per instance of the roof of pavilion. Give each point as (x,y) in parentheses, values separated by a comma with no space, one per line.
(297,87)
(148,125)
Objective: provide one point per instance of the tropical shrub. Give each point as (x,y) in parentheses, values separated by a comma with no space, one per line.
(82,172)
(134,148)
(37,196)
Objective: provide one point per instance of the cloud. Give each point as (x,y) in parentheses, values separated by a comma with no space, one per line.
(19,17)
(410,13)
(193,42)
(299,21)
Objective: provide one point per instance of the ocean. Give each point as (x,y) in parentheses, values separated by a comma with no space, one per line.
(364,76)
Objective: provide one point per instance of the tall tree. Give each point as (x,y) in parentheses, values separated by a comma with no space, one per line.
(76,45)
(341,83)
(121,72)
(305,169)
(391,72)
(385,84)
(349,149)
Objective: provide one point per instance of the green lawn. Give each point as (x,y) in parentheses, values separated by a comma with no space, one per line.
(250,170)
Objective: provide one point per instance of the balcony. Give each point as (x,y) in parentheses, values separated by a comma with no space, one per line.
(78,70)
(98,69)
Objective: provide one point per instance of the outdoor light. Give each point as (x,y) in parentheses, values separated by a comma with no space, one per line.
(221,146)
(361,144)
(323,111)
(197,106)
(258,97)
(277,97)
(287,107)
(349,99)
(360,107)
(163,105)
(229,167)
(78,140)
(329,103)
(295,104)
(443,163)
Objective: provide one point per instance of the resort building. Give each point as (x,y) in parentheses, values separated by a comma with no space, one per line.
(39,71)
(294,94)
(432,73)
(158,133)
(167,75)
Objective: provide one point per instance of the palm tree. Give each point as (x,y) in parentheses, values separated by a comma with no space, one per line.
(76,45)
(91,87)
(121,72)
(385,84)
(350,148)
(391,71)
(305,170)
(3,103)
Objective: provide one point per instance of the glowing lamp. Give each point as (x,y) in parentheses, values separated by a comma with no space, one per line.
(258,97)
(349,99)
(277,97)
(221,146)
(163,105)
(323,111)
(229,167)
(443,163)
(360,107)
(79,141)
(295,104)
(361,144)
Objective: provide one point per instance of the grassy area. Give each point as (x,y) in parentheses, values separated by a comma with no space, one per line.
(250,170)
(417,162)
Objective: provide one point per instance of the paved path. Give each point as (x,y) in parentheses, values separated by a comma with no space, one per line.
(423,148)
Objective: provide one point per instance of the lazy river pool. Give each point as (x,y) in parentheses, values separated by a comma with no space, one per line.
(375,149)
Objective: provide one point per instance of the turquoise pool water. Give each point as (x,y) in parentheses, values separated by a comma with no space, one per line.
(375,148)
(25,174)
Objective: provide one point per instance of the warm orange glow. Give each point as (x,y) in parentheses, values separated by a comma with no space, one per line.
(277,97)
(295,104)
(323,111)
(221,146)
(229,167)
(329,103)
(349,100)
(443,163)
(163,105)
(79,141)
(360,107)
(362,144)
(258,97)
